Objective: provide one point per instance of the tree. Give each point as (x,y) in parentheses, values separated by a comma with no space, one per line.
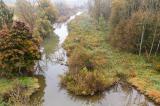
(26,12)
(100,8)
(6,15)
(142,17)
(19,49)
(63,8)
(49,10)
(43,28)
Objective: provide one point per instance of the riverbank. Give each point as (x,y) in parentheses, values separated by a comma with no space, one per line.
(8,86)
(63,17)
(132,68)
(87,60)
(30,83)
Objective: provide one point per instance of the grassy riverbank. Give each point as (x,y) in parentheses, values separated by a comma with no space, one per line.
(87,60)
(87,64)
(9,86)
(85,33)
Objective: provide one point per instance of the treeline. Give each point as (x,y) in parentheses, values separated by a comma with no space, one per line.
(22,29)
(65,10)
(40,16)
(134,25)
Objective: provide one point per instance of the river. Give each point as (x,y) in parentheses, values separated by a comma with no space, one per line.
(51,94)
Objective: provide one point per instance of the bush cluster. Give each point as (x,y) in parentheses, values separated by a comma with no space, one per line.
(133,24)
(87,60)
(19,49)
(127,35)
(86,83)
(83,58)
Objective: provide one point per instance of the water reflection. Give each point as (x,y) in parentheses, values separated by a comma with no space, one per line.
(49,46)
(37,98)
(96,99)
(121,94)
(124,95)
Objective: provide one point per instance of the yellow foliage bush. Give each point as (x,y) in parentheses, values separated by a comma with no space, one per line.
(157,67)
(19,50)
(82,57)
(87,83)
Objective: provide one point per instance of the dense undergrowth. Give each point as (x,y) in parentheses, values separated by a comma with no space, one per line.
(86,47)
(87,59)
(16,91)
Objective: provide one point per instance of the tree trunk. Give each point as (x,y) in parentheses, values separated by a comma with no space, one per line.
(157,48)
(153,41)
(142,37)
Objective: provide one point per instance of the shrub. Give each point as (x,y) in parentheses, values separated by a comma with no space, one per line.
(125,37)
(43,28)
(82,57)
(87,83)
(19,49)
(17,96)
(127,34)
(85,76)
(79,59)
(156,66)
(50,11)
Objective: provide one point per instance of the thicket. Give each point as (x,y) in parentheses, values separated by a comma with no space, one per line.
(43,28)
(21,33)
(40,17)
(86,75)
(49,10)
(87,60)
(20,40)
(87,83)
(134,25)
(19,50)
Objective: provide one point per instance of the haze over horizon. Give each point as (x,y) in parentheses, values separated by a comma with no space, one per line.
(70,2)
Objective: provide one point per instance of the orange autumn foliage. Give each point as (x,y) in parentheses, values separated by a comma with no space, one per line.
(19,49)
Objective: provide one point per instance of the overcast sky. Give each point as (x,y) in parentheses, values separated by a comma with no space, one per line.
(72,2)
(78,2)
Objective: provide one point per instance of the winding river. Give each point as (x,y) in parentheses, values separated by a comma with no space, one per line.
(50,93)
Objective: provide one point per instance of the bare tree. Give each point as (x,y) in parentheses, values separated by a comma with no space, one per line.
(26,12)
(153,41)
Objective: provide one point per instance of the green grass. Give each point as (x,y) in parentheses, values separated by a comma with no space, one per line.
(7,85)
(85,45)
(133,68)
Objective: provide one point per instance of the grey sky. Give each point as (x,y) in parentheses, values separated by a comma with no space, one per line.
(9,1)
(78,2)
(72,2)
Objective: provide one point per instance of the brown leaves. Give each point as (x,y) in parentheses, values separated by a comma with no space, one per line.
(4,33)
(19,49)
